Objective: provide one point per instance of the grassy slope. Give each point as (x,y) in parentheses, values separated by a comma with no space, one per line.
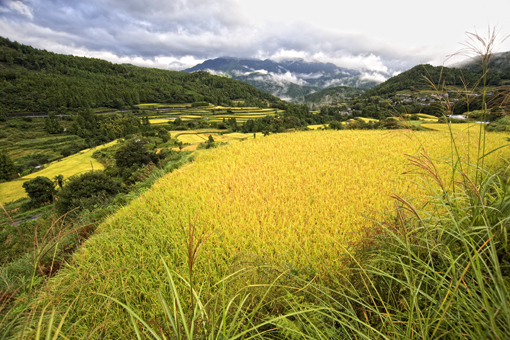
(268,200)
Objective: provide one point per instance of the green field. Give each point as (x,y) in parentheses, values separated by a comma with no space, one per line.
(69,166)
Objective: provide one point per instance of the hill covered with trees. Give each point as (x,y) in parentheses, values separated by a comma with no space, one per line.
(34,80)
(332,94)
(415,79)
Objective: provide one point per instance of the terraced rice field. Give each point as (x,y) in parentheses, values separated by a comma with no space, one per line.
(156,105)
(294,200)
(317,126)
(69,166)
(463,127)
(160,121)
(200,137)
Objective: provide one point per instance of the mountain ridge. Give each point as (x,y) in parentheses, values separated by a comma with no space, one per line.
(289,79)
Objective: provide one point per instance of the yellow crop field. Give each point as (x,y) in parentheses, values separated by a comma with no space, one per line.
(69,166)
(317,126)
(462,127)
(368,120)
(426,116)
(190,117)
(191,138)
(156,105)
(159,121)
(292,200)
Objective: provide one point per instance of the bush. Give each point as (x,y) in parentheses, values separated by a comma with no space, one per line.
(197,104)
(40,190)
(7,168)
(132,153)
(86,192)
(73,149)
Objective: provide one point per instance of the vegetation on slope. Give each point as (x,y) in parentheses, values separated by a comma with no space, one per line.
(333,94)
(33,80)
(418,78)
(244,194)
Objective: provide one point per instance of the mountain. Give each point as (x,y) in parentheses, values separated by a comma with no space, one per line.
(34,80)
(416,79)
(333,94)
(498,68)
(289,79)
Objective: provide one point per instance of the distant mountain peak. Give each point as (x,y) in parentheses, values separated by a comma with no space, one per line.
(290,78)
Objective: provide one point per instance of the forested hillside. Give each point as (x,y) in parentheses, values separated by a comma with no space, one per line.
(416,79)
(332,94)
(33,80)
(498,68)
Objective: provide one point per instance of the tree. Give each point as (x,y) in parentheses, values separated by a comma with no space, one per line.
(134,152)
(210,142)
(51,124)
(3,114)
(40,190)
(7,168)
(163,134)
(59,180)
(85,192)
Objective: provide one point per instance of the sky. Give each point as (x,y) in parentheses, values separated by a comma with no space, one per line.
(387,36)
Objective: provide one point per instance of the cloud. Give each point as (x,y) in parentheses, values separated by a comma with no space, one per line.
(374,76)
(17,7)
(175,34)
(287,77)
(310,75)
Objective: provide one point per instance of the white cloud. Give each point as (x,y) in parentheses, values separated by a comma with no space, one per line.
(373,76)
(287,77)
(17,6)
(373,37)
(310,75)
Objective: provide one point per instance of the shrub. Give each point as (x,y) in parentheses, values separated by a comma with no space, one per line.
(197,104)
(7,168)
(85,192)
(40,190)
(133,153)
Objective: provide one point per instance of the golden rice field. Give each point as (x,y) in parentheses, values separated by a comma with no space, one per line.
(199,137)
(317,126)
(294,200)
(157,105)
(368,120)
(191,138)
(424,116)
(69,166)
(457,128)
(159,121)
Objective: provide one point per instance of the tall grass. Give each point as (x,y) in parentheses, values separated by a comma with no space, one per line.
(439,270)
